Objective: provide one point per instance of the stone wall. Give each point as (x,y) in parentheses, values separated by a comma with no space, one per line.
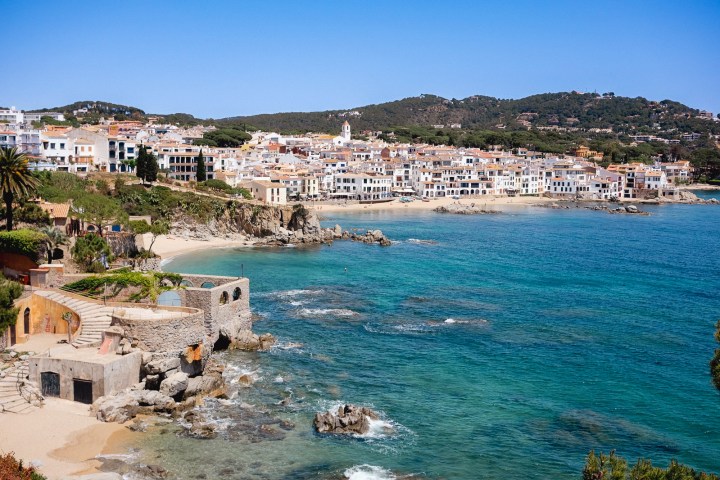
(226,306)
(174,331)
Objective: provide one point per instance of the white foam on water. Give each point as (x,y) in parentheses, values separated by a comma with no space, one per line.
(338,312)
(421,241)
(450,320)
(297,303)
(368,472)
(379,429)
(295,293)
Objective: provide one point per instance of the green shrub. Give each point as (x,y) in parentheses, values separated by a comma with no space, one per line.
(25,242)
(149,283)
(215,184)
(9,291)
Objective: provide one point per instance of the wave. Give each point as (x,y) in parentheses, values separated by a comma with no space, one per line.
(368,472)
(422,241)
(337,312)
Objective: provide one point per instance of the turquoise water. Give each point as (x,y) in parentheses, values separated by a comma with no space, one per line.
(498,346)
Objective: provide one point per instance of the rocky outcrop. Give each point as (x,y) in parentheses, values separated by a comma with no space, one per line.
(371,236)
(249,341)
(174,385)
(349,419)
(128,403)
(630,209)
(464,209)
(267,225)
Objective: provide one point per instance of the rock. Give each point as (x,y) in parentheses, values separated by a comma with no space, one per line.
(174,384)
(208,384)
(128,403)
(337,231)
(267,340)
(246,380)
(153,471)
(247,340)
(162,365)
(152,382)
(371,236)
(472,209)
(24,357)
(631,209)
(349,419)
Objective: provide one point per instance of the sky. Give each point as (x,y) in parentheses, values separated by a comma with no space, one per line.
(218,58)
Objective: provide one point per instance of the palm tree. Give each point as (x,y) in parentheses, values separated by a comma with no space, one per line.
(16,180)
(54,238)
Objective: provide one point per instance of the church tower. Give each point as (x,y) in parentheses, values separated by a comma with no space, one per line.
(345,134)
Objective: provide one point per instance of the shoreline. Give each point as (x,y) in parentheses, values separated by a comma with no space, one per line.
(170,246)
(62,438)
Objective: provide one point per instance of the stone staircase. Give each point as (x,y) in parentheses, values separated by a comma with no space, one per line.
(11,399)
(94,317)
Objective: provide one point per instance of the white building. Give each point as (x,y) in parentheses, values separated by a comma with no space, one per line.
(11,116)
(362,186)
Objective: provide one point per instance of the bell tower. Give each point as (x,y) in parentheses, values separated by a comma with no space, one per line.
(345,130)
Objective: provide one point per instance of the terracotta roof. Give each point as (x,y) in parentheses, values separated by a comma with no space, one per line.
(56,210)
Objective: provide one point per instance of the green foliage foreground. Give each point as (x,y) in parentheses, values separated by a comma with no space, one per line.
(613,467)
(150,284)
(13,469)
(9,291)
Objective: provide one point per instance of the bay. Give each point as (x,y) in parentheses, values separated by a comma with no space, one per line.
(495,346)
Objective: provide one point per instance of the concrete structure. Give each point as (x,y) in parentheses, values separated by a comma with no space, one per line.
(83,375)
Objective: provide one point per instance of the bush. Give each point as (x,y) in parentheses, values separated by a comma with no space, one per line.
(215,184)
(24,242)
(12,469)
(9,291)
(88,250)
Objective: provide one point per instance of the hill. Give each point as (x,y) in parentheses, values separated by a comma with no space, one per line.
(564,110)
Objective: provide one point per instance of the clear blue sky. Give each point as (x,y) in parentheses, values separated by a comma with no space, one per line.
(222,58)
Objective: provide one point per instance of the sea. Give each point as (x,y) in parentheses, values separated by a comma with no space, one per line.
(492,346)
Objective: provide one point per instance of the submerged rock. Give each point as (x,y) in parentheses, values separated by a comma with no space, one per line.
(349,419)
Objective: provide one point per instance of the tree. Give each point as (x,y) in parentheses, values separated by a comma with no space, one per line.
(159,227)
(9,291)
(16,180)
(89,250)
(99,210)
(141,163)
(151,167)
(715,362)
(54,239)
(201,173)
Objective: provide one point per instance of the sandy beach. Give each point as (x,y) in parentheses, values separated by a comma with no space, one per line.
(62,438)
(429,205)
(168,246)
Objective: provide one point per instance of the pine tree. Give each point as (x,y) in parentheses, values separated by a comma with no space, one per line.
(141,163)
(151,167)
(201,173)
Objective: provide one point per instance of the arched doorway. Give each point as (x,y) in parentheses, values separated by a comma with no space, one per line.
(26,322)
(170,299)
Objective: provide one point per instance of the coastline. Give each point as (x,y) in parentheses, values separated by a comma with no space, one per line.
(432,204)
(170,246)
(62,438)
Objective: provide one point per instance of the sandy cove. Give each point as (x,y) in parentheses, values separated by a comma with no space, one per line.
(63,437)
(168,246)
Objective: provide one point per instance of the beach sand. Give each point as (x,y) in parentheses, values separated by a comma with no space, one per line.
(396,204)
(62,438)
(168,246)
